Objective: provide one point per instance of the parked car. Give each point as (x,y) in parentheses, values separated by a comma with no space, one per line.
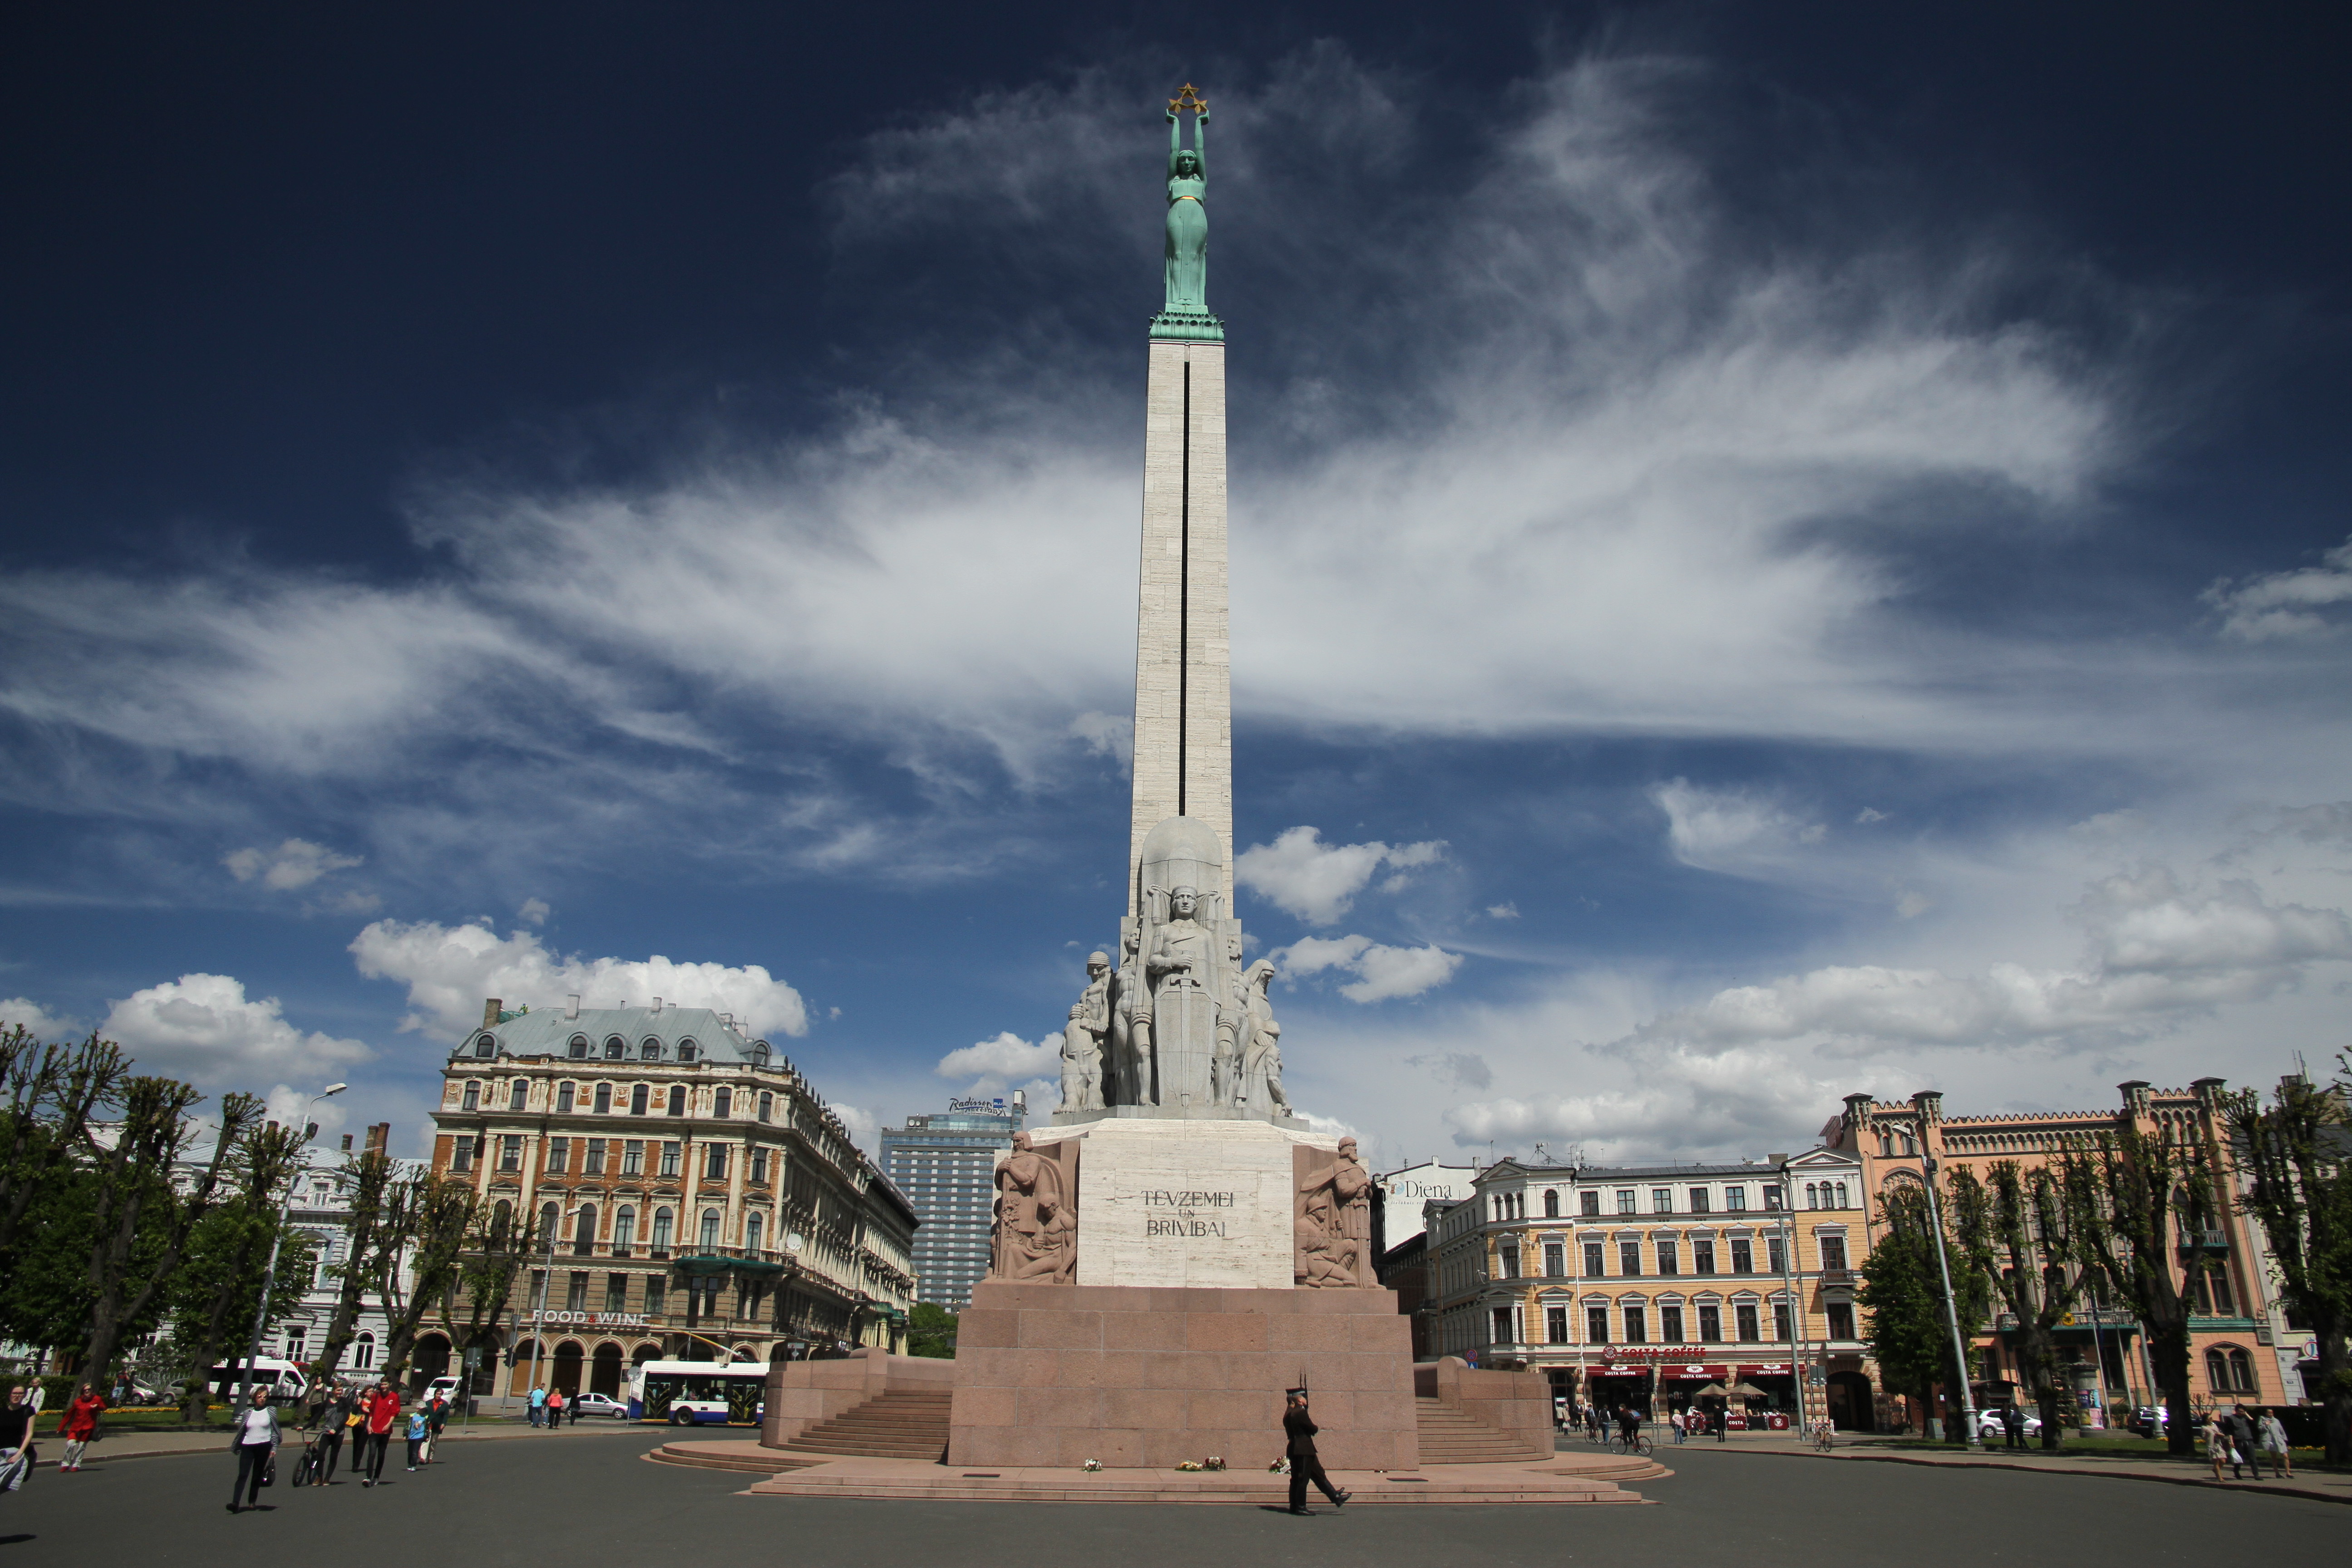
(602,1405)
(1993,1429)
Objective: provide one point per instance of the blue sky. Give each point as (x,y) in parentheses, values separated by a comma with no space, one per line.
(1776,551)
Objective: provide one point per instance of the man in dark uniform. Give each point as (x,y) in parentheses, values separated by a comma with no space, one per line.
(1300,1430)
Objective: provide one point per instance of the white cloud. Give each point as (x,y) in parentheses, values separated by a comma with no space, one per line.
(1503,912)
(449,970)
(297,863)
(862,1125)
(1868,815)
(2283,605)
(534,912)
(286,1104)
(1003,1059)
(1317,882)
(1382,972)
(203,1026)
(1911,905)
(1107,735)
(1730,830)
(37,1019)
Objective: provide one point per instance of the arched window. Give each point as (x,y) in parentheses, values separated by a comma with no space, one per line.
(677,1100)
(649,1051)
(759,1053)
(2229,1371)
(624,1229)
(661,1230)
(2242,1370)
(487,1047)
(614,1048)
(563,1092)
(518,1095)
(754,1232)
(473,1098)
(1813,1194)
(501,1216)
(685,1050)
(767,1106)
(637,1099)
(725,1105)
(579,1047)
(604,1099)
(709,1229)
(1551,1202)
(549,1217)
(583,1231)
(364,1353)
(1841,1195)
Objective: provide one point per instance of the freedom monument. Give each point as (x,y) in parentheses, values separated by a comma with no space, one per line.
(1177,1246)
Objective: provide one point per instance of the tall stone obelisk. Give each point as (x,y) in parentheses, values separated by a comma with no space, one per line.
(1183,661)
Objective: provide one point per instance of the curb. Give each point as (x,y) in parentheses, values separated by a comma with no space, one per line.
(2268,1489)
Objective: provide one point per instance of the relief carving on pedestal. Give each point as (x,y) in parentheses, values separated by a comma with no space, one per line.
(1332,1220)
(1034,1239)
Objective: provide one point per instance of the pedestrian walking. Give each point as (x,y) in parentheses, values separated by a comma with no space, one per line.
(382,1410)
(335,1422)
(555,1408)
(2217,1445)
(78,1426)
(437,1417)
(2274,1446)
(17,1451)
(1298,1446)
(2241,1439)
(420,1427)
(538,1406)
(256,1440)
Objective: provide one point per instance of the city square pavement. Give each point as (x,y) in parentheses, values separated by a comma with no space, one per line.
(585,1496)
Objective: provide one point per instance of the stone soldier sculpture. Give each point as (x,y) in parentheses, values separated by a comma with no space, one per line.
(1130,1027)
(1028,1196)
(1088,1077)
(1335,1221)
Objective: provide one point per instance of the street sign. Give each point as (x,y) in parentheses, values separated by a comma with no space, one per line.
(473,1357)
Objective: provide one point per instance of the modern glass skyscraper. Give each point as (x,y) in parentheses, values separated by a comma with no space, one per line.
(946,1165)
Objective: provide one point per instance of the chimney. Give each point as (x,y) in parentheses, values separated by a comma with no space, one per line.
(572,1006)
(347,1142)
(380,1135)
(490,1011)
(656,1004)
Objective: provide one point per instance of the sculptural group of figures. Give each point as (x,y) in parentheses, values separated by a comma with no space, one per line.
(1034,1238)
(1181,1021)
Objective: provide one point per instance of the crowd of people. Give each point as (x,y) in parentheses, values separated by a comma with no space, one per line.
(367,1417)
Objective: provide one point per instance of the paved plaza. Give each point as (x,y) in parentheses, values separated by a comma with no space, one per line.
(588,1498)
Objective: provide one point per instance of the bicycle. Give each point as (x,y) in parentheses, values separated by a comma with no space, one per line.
(1824,1436)
(1634,1443)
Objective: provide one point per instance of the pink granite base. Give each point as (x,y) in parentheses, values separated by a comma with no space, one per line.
(1146,1378)
(801,1393)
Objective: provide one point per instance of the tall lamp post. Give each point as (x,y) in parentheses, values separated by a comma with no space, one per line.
(1951,1302)
(270,1275)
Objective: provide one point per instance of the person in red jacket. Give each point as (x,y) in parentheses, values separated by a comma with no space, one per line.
(78,1424)
(382,1408)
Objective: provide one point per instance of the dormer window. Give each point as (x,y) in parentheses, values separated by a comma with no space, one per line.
(579,1047)
(649,1051)
(615,1048)
(685,1050)
(759,1053)
(487,1047)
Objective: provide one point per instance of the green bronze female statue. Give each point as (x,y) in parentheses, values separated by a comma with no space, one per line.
(1188,220)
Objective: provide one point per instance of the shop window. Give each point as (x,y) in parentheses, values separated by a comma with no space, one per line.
(518,1095)
(604,1099)
(1551,1202)
(638,1100)
(1670,1258)
(1698,1199)
(1841,1316)
(473,1100)
(559,1156)
(1670,1325)
(1743,1319)
(1637,1326)
(563,1093)
(1594,1269)
(1554,1260)
(1702,1257)
(1629,1259)
(1743,1258)
(1596,1325)
(724,1104)
(1591,1203)
(1555,1325)
(1834,1252)
(1710,1325)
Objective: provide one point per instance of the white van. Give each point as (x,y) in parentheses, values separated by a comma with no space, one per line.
(284,1379)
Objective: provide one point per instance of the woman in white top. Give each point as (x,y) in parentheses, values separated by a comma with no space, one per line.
(2275,1448)
(255,1439)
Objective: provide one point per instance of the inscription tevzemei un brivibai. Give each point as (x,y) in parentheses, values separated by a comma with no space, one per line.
(1184,1225)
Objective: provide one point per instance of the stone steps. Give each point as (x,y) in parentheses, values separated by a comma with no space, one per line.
(1259,1490)
(899,1423)
(746,1457)
(1449,1438)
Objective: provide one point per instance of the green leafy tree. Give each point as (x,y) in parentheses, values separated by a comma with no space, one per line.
(1902,1297)
(2298,1154)
(52,1091)
(2015,1230)
(2133,1196)
(419,1258)
(931,1331)
(212,1301)
(369,1178)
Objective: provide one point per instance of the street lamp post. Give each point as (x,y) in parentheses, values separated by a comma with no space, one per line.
(538,1317)
(1951,1302)
(270,1275)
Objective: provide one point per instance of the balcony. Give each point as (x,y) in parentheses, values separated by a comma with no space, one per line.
(2204,1241)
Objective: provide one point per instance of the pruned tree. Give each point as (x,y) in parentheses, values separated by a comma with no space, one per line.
(2297,1156)
(2015,1230)
(2132,1197)
(487,1271)
(53,1090)
(136,1188)
(419,1257)
(371,1182)
(1902,1297)
(213,1300)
